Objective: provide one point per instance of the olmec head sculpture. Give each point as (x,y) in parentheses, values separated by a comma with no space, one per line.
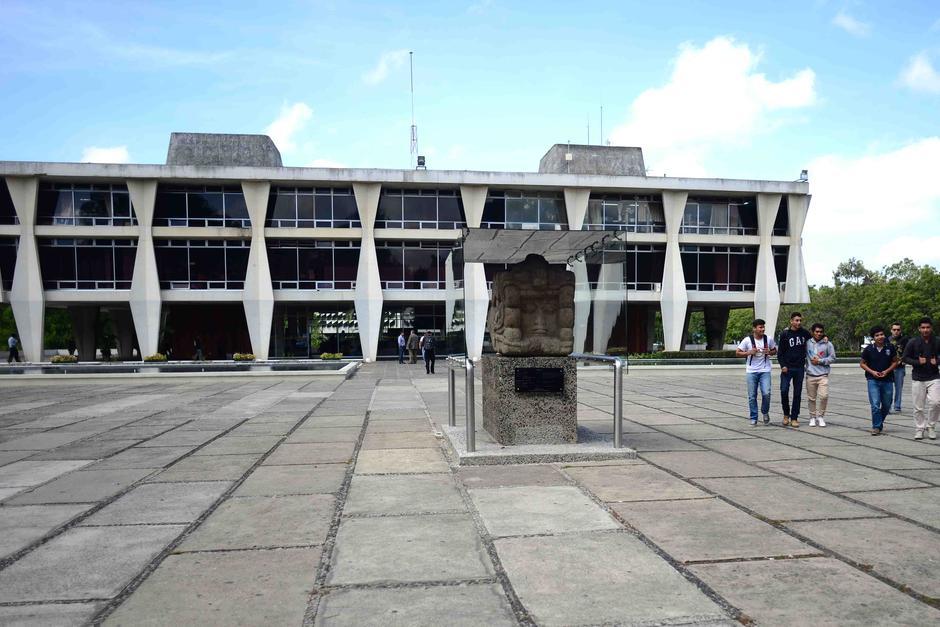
(532,310)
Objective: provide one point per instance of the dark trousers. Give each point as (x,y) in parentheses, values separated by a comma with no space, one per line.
(794,375)
(401,354)
(429,360)
(14,354)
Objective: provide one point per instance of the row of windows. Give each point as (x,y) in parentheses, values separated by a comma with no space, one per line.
(720,217)
(525,210)
(638,214)
(87,264)
(412,265)
(7,261)
(307,207)
(420,209)
(84,205)
(202,264)
(203,205)
(7,210)
(310,265)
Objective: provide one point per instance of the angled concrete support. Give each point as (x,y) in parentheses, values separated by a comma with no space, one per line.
(450,292)
(368,299)
(476,296)
(608,300)
(766,288)
(582,304)
(84,328)
(576,205)
(26,297)
(797,290)
(258,295)
(674,300)
(474,198)
(145,298)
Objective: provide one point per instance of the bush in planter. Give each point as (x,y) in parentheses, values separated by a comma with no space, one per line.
(64,359)
(243,357)
(155,357)
(331,355)
(706,354)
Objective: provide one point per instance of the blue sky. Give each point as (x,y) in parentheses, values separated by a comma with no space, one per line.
(849,90)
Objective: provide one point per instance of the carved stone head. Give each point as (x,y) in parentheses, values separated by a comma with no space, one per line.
(532,309)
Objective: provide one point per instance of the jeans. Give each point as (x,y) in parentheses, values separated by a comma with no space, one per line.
(755,379)
(429,360)
(879,396)
(796,376)
(898,387)
(401,354)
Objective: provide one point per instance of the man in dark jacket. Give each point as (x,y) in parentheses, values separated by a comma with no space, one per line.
(791,355)
(921,354)
(427,346)
(899,341)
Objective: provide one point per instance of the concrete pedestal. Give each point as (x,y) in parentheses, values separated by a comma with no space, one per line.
(519,417)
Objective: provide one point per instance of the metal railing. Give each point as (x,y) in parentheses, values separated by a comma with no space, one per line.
(468,367)
(619,366)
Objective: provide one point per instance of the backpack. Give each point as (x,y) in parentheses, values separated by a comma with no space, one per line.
(754,345)
(429,343)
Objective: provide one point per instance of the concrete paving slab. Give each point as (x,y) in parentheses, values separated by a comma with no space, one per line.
(931,475)
(206,468)
(633,483)
(906,446)
(99,561)
(395,494)
(703,432)
(59,614)
(600,578)
(395,426)
(779,498)
(311,453)
(703,464)
(903,552)
(868,456)
(87,449)
(238,588)
(920,505)
(297,479)
(837,475)
(45,441)
(29,473)
(756,450)
(439,547)
(239,445)
(82,486)
(324,434)
(465,606)
(642,442)
(407,439)
(405,460)
(657,418)
(343,421)
(6,493)
(142,458)
(261,428)
(8,457)
(21,526)
(819,591)
(528,510)
(264,522)
(178,437)
(508,476)
(160,503)
(708,529)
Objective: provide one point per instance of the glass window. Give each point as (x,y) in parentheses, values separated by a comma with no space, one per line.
(420,208)
(87,263)
(236,263)
(346,264)
(522,211)
(7,210)
(170,209)
(8,260)
(285,207)
(205,206)
(172,263)
(344,207)
(236,210)
(782,223)
(640,214)
(494,211)
(95,263)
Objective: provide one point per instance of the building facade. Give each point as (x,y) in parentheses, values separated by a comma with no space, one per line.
(224,246)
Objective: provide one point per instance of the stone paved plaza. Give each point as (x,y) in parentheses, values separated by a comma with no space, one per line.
(313,500)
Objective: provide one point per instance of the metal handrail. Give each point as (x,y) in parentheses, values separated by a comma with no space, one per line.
(619,365)
(468,366)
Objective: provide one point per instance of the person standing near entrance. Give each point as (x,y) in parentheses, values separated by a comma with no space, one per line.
(899,341)
(412,346)
(13,344)
(401,347)
(427,344)
(819,358)
(197,346)
(792,358)
(758,348)
(879,359)
(922,354)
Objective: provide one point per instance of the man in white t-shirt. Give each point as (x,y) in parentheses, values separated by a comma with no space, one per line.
(758,348)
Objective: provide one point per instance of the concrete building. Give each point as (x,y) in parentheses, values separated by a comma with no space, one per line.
(225,245)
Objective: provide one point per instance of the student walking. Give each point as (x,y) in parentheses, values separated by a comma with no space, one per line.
(412,347)
(899,341)
(879,359)
(921,354)
(14,345)
(427,345)
(401,347)
(820,356)
(758,348)
(791,355)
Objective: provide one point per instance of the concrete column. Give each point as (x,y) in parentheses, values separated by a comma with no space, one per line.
(450,292)
(716,325)
(576,205)
(84,328)
(582,305)
(476,296)
(797,290)
(766,288)
(124,327)
(368,299)
(674,298)
(145,300)
(608,300)
(258,295)
(27,298)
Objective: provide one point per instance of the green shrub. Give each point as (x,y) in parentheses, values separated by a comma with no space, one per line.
(722,354)
(331,355)
(64,359)
(155,357)
(243,357)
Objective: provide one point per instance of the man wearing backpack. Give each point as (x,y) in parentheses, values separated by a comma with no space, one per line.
(427,344)
(14,345)
(792,360)
(922,354)
(758,348)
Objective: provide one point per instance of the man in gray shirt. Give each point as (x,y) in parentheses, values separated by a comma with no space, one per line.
(819,358)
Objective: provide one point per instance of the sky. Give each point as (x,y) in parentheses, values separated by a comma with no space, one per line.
(849,90)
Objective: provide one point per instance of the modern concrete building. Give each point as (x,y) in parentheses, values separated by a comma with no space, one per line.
(226,245)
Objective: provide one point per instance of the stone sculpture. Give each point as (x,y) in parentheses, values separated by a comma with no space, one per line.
(532,310)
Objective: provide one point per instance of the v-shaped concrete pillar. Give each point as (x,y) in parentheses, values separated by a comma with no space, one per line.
(476,296)
(797,289)
(368,299)
(258,295)
(27,298)
(674,301)
(766,288)
(145,300)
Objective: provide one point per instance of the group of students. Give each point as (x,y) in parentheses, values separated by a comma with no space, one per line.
(809,356)
(413,344)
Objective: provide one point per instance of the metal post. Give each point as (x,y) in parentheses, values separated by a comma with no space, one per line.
(471,409)
(618,404)
(451,396)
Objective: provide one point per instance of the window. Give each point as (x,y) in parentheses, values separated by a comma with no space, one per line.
(87,264)
(203,205)
(313,264)
(628,212)
(8,260)
(84,204)
(524,210)
(308,207)
(307,330)
(782,222)
(7,210)
(720,216)
(781,254)
(412,265)
(202,264)
(420,209)
(719,268)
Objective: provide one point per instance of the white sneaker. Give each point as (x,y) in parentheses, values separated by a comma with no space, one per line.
(931,433)
(918,435)
(820,421)
(812,421)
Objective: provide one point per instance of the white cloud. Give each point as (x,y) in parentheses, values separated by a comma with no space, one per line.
(389,61)
(878,207)
(325,163)
(113,154)
(715,97)
(920,75)
(480,7)
(851,25)
(291,121)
